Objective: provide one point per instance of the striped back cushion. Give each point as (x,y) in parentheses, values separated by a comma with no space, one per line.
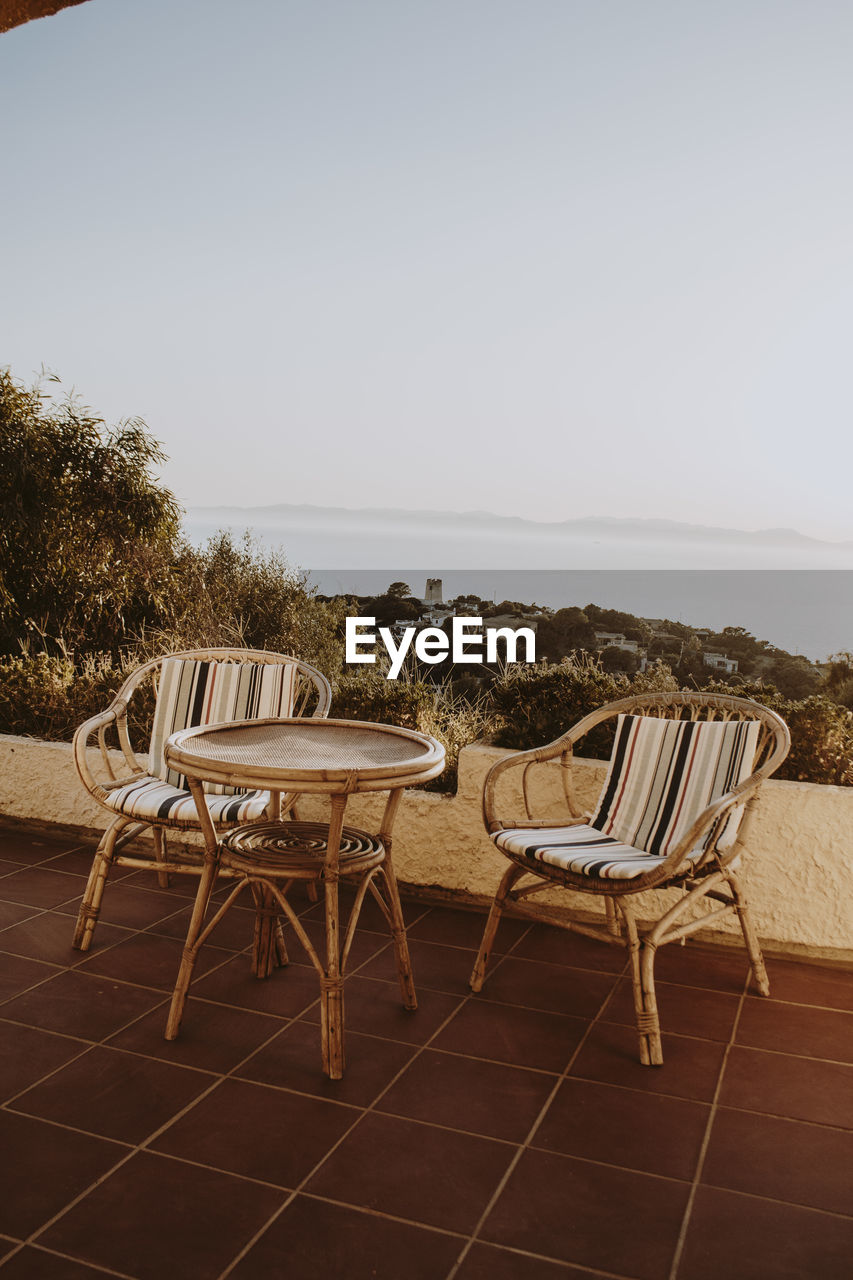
(194,693)
(663,773)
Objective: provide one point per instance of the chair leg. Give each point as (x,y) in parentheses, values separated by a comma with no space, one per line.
(160,855)
(750,937)
(611,915)
(90,907)
(478,973)
(642,955)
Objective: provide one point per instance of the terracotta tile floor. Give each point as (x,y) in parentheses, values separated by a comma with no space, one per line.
(507,1136)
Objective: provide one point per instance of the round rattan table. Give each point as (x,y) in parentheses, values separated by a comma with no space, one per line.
(288,758)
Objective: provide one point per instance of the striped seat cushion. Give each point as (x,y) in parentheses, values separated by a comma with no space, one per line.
(150,798)
(662,775)
(582,850)
(193,693)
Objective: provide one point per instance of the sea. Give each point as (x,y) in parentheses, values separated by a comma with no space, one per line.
(801,610)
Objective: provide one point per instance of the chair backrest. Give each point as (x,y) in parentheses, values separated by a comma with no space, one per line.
(211,687)
(663,773)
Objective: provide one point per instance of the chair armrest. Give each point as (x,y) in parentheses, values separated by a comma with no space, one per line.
(710,818)
(115,714)
(561,747)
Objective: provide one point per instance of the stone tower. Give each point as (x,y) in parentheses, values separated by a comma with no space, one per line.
(433,591)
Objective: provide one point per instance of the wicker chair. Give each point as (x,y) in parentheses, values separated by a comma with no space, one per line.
(683,768)
(199,686)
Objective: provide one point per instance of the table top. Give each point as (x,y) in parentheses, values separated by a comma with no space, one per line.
(306,755)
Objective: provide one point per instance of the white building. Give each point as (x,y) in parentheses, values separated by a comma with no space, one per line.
(616,640)
(720,662)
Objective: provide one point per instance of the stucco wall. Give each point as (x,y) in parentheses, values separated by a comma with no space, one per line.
(798,869)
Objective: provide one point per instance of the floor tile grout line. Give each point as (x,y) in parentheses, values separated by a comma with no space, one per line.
(784,1204)
(525,1145)
(367,1110)
(801,1057)
(106,1043)
(382,1215)
(36,912)
(288,1020)
(7,1102)
(129,1154)
(371,1108)
(778,1115)
(108,1173)
(706,1139)
(144,1145)
(595,1273)
(66,1257)
(78,966)
(135,986)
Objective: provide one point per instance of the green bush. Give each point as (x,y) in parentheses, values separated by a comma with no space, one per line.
(235,592)
(367,695)
(415,704)
(535,704)
(821,735)
(48,697)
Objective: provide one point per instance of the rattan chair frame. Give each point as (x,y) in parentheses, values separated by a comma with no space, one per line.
(712,879)
(94,747)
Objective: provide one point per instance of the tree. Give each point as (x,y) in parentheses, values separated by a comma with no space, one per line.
(617,620)
(562,633)
(793,675)
(838,682)
(87,533)
(513,608)
(397,604)
(614,659)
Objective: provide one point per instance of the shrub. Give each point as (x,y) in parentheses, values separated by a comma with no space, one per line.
(48,696)
(415,704)
(821,735)
(237,592)
(535,704)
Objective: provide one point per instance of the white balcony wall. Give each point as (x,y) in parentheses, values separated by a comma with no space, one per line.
(797,869)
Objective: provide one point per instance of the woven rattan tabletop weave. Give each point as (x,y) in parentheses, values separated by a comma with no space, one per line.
(326,751)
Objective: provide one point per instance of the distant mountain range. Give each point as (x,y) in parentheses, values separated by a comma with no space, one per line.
(286,516)
(653,568)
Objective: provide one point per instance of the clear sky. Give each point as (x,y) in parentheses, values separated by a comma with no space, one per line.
(554,258)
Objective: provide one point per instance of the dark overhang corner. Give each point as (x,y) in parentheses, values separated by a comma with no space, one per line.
(14,13)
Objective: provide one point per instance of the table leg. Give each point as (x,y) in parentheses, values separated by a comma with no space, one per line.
(202,899)
(332,985)
(398,931)
(191,947)
(269,946)
(398,927)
